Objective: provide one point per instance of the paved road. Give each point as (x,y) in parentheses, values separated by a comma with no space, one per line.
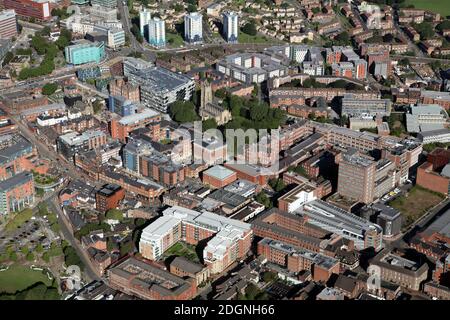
(89,270)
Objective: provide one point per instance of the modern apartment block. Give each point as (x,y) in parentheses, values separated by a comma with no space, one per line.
(8,24)
(193,28)
(85,52)
(157,33)
(140,157)
(346,63)
(144,19)
(333,219)
(354,107)
(71,143)
(231,26)
(159,87)
(230,239)
(251,67)
(16,192)
(363,179)
(37,9)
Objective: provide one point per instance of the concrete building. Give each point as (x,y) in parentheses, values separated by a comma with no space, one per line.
(399,270)
(159,87)
(231,26)
(85,53)
(71,143)
(363,179)
(8,24)
(121,106)
(193,28)
(333,219)
(144,19)
(116,38)
(295,198)
(230,239)
(149,282)
(157,33)
(16,193)
(251,67)
(105,3)
(422,118)
(356,107)
(433,136)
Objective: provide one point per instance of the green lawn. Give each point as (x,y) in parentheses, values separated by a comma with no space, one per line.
(18,278)
(174,39)
(182,249)
(439,6)
(245,38)
(18,219)
(415,203)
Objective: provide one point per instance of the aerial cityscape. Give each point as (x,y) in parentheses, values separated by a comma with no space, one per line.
(224,150)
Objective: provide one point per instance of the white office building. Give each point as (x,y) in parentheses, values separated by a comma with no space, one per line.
(193,27)
(157,33)
(230,27)
(144,19)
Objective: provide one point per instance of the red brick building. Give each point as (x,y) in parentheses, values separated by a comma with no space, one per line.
(149,282)
(296,259)
(218,176)
(109,197)
(40,10)
(432,180)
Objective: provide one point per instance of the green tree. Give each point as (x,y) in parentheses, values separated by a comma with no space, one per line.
(209,124)
(30,256)
(183,111)
(39,248)
(263,199)
(46,257)
(13,256)
(49,88)
(250,28)
(8,57)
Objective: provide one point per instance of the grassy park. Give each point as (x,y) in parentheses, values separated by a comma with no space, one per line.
(18,278)
(18,219)
(438,6)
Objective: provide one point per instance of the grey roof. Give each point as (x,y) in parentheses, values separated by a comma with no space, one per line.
(17,146)
(441,225)
(15,180)
(186,265)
